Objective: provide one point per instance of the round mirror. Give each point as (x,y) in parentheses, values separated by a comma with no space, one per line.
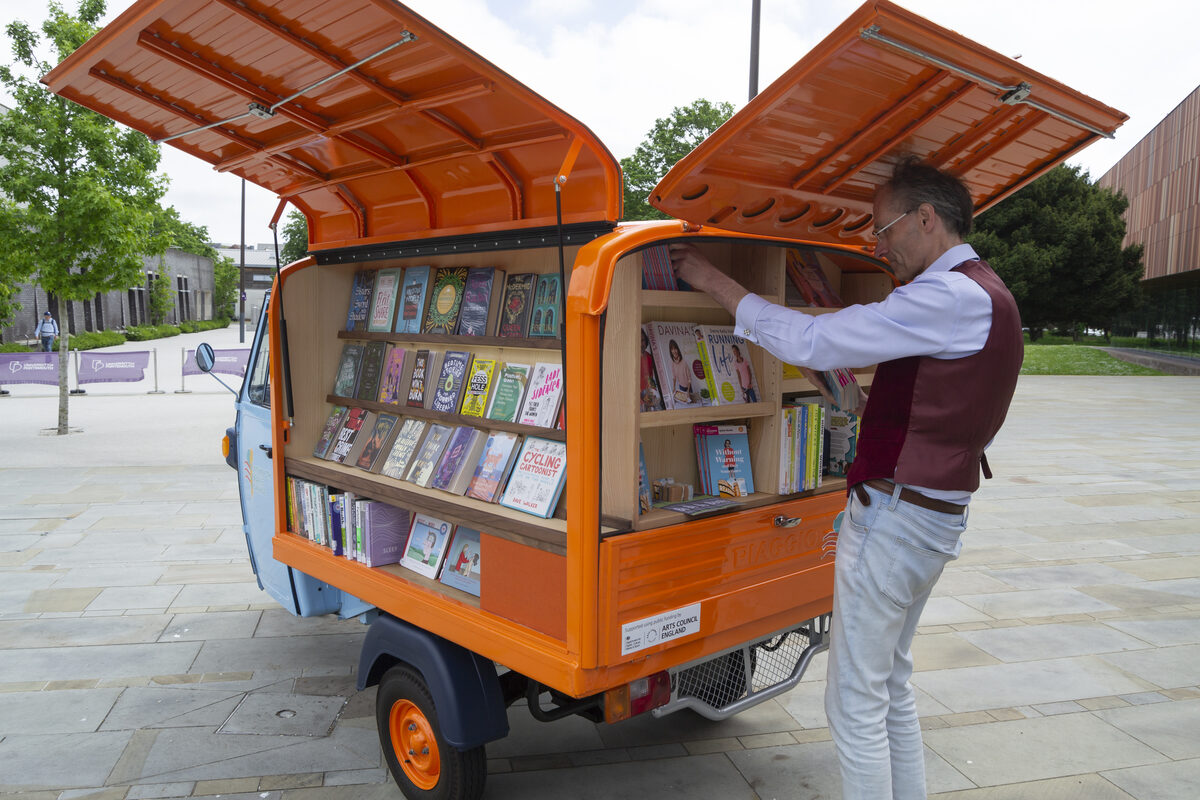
(205,357)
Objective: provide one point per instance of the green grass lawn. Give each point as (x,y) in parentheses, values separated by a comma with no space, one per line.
(1067,359)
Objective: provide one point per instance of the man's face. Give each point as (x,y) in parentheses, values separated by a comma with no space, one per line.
(900,243)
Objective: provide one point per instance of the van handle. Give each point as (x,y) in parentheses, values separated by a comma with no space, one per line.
(266,448)
(787,522)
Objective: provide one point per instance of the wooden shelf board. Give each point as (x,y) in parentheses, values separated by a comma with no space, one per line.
(660,517)
(452,340)
(657,298)
(684,416)
(449,419)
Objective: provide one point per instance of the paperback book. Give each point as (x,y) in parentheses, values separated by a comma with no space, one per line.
(462,567)
(723,456)
(378,441)
(843,440)
(420,380)
(362,438)
(423,465)
(804,271)
(346,436)
(427,542)
(414,297)
(537,477)
(445,300)
(649,389)
(457,466)
(403,448)
(481,301)
(361,291)
(383,303)
(371,371)
(478,387)
(383,532)
(540,408)
(515,306)
(391,387)
(657,272)
(505,403)
(346,380)
(448,391)
(493,466)
(546,312)
(727,368)
(337,415)
(677,362)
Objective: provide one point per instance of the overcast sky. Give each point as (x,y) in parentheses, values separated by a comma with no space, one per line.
(617,65)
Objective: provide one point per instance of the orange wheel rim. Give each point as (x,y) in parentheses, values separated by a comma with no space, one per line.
(416,747)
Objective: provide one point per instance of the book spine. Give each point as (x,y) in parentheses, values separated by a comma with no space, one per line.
(709,378)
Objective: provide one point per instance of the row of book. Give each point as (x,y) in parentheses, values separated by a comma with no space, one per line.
(523,473)
(376,534)
(451,381)
(464,301)
(685,365)
(801,447)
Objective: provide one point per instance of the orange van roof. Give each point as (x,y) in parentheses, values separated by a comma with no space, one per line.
(375,123)
(803,158)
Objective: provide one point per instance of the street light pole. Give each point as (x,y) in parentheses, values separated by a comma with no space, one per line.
(242,272)
(755,14)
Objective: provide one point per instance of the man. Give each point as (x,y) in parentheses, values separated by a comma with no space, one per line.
(47,331)
(949,347)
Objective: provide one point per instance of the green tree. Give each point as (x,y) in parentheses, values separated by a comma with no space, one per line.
(81,194)
(295,237)
(1057,245)
(183,235)
(225,291)
(669,140)
(161,297)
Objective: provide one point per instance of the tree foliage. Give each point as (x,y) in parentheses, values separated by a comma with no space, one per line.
(183,235)
(669,140)
(225,291)
(80,194)
(295,237)
(161,297)
(1057,245)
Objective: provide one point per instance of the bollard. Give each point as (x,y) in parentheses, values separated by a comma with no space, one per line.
(183,375)
(77,390)
(154,350)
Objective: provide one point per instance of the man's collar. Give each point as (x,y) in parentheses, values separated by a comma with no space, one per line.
(952,258)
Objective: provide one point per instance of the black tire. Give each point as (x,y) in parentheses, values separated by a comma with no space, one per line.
(423,765)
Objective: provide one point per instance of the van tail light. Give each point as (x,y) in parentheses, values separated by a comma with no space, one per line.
(637,697)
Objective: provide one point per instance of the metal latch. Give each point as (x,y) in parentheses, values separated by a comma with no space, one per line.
(787,522)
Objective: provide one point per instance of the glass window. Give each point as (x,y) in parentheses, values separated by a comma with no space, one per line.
(258,388)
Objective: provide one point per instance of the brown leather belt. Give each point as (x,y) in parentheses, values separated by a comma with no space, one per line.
(907,495)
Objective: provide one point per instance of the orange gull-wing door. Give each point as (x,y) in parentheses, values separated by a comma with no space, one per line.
(803,158)
(376,124)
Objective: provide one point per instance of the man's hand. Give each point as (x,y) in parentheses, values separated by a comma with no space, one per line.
(691,265)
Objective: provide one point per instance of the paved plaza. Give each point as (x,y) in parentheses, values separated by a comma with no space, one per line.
(1059,658)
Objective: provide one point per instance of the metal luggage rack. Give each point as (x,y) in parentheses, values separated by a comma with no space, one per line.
(731,681)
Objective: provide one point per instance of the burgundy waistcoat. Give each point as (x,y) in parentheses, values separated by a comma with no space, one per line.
(928,419)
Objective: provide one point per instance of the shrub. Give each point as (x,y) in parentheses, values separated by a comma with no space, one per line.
(143,333)
(15,347)
(90,340)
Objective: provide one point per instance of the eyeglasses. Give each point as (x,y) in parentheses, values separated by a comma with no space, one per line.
(880,231)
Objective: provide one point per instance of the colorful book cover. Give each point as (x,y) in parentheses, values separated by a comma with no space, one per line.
(346,380)
(493,466)
(725,467)
(384,532)
(462,568)
(383,303)
(343,442)
(657,272)
(843,440)
(677,361)
(727,368)
(420,380)
(546,312)
(478,389)
(452,456)
(448,390)
(515,307)
(391,388)
(414,295)
(361,439)
(481,299)
(377,440)
(649,389)
(644,491)
(427,542)
(464,472)
(445,300)
(400,456)
(804,271)
(509,392)
(372,370)
(361,291)
(537,478)
(337,415)
(421,470)
(543,396)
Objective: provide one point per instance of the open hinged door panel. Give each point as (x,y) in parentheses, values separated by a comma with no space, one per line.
(376,124)
(803,158)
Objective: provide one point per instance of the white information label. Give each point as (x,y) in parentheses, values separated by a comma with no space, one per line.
(651,631)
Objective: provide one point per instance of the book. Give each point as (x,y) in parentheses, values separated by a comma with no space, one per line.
(478,388)
(392,389)
(383,302)
(371,371)
(361,291)
(481,300)
(445,300)
(644,492)
(420,471)
(657,272)
(509,392)
(427,542)
(346,435)
(419,380)
(459,465)
(337,415)
(414,298)
(803,269)
(378,442)
(678,364)
(492,468)
(543,395)
(408,439)
(727,369)
(649,388)
(723,452)
(516,305)
(384,532)
(451,457)
(537,478)
(546,312)
(447,392)
(346,380)
(462,567)
(362,438)
(843,440)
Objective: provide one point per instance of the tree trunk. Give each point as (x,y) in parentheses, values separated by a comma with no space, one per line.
(63,353)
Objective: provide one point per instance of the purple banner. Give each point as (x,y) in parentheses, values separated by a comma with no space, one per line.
(126,367)
(29,368)
(231,362)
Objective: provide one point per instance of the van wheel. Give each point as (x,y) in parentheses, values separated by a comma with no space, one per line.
(424,766)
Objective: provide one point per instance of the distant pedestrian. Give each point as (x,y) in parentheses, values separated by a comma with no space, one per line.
(47,331)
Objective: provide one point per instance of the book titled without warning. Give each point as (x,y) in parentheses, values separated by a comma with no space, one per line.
(537,477)
(723,457)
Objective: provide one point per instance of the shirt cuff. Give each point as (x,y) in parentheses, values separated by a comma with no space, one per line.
(746,318)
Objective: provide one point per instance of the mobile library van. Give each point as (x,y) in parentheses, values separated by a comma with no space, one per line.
(413,157)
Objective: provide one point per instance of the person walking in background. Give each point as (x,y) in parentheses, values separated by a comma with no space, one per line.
(46,332)
(949,347)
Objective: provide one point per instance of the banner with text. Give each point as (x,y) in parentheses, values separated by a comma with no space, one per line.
(231,362)
(129,367)
(29,368)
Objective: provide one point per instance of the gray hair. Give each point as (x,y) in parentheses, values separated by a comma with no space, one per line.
(914,182)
